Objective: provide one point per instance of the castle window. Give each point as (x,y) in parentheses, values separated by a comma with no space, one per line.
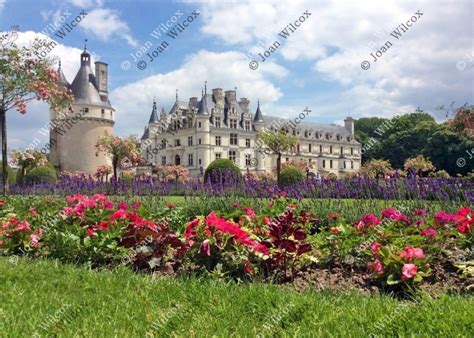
(324,163)
(163,144)
(232,155)
(342,151)
(320,149)
(352,164)
(352,151)
(233,139)
(190,140)
(217,122)
(200,162)
(287,159)
(218,156)
(247,142)
(330,149)
(102,112)
(177,143)
(330,164)
(177,160)
(309,147)
(298,148)
(86,110)
(248,160)
(199,125)
(344,164)
(111,115)
(218,141)
(247,125)
(163,160)
(233,123)
(190,160)
(199,141)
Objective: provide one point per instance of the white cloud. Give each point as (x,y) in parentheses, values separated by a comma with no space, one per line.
(418,70)
(222,70)
(106,24)
(87,3)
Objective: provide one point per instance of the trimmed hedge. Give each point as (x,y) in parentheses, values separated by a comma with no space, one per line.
(290,175)
(220,169)
(43,174)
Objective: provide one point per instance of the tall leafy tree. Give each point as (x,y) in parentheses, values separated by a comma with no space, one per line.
(278,142)
(23,78)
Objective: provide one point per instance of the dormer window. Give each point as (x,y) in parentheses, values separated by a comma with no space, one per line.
(247,125)
(233,123)
(217,122)
(102,113)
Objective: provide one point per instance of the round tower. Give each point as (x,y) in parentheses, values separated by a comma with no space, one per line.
(74,134)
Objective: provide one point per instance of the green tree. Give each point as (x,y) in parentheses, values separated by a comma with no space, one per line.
(23,78)
(278,142)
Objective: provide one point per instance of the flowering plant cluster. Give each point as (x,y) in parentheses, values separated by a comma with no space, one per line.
(17,236)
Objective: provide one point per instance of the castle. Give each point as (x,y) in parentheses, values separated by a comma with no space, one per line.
(73,138)
(196,132)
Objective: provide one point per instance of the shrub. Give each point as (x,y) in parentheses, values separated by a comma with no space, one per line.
(11,174)
(41,174)
(222,170)
(290,175)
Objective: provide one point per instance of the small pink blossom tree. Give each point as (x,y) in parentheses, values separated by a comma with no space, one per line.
(23,78)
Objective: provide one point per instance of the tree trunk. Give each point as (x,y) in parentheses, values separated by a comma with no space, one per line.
(278,168)
(3,121)
(114,164)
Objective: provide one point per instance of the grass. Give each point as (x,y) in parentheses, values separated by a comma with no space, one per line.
(66,301)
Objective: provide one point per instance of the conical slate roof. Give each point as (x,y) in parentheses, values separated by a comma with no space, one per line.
(258,114)
(154,115)
(84,86)
(62,79)
(146,134)
(203,106)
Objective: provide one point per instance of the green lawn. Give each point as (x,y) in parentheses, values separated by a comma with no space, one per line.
(55,300)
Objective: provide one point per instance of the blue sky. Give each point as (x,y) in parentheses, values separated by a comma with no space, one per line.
(318,65)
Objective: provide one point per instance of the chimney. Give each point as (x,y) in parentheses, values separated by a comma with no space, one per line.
(349,124)
(193,101)
(244,104)
(101,77)
(230,96)
(217,93)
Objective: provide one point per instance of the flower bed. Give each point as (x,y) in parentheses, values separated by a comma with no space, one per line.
(280,241)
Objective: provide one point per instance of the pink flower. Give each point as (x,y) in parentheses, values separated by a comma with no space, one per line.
(430,232)
(410,253)
(367,221)
(108,205)
(122,205)
(375,247)
(34,240)
(442,218)
(420,212)
(266,220)
(395,215)
(376,267)
(191,228)
(205,248)
(90,232)
(408,271)
(99,197)
(250,212)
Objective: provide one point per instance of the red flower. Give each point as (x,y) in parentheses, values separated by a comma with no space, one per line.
(283,194)
(170,206)
(333,216)
(267,220)
(334,230)
(191,228)
(420,212)
(367,221)
(103,226)
(430,232)
(119,214)
(408,271)
(248,269)
(34,240)
(464,220)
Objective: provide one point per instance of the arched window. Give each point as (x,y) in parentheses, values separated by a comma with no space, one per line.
(177,160)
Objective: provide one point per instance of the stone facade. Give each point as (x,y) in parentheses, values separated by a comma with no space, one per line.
(73,138)
(196,132)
